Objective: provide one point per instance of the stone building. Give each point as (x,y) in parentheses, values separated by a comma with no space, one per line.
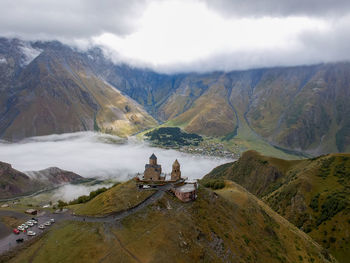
(153,170)
(176,173)
(186,192)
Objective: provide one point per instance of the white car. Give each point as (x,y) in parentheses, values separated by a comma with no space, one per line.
(41,227)
(33,221)
(52,220)
(146,187)
(47,223)
(24,226)
(31,233)
(20,228)
(30,223)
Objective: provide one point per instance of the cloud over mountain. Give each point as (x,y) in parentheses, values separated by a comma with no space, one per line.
(193,35)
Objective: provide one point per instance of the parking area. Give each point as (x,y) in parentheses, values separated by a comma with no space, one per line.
(10,239)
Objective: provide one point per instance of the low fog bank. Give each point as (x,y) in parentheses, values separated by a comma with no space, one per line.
(70,192)
(99,155)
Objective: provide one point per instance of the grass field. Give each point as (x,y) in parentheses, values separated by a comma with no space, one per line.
(118,198)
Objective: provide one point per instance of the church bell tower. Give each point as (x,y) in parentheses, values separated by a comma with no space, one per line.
(176,173)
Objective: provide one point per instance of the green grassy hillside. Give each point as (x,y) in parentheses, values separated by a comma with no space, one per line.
(314,194)
(116,199)
(229,225)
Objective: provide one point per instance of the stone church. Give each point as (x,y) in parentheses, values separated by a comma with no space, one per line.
(153,170)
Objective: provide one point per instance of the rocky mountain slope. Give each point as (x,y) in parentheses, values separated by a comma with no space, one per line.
(313,194)
(57,92)
(14,183)
(229,225)
(302,108)
(52,88)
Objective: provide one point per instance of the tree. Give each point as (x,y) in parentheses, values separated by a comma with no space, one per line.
(61,204)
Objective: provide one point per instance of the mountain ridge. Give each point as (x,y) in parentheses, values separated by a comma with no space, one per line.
(312,193)
(14,183)
(301,108)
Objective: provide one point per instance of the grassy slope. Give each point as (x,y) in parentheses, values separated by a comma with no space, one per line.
(289,186)
(118,198)
(230,226)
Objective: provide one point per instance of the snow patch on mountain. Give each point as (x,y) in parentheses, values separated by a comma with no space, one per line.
(29,53)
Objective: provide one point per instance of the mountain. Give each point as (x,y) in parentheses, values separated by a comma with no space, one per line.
(58,91)
(228,225)
(14,183)
(313,194)
(54,176)
(48,87)
(302,108)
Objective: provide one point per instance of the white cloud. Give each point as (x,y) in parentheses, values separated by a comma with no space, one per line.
(173,35)
(190,35)
(92,155)
(70,192)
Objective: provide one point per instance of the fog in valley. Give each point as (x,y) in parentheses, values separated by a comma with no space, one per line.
(98,155)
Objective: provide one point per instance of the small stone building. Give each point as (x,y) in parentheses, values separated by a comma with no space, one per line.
(186,192)
(31,211)
(176,173)
(152,170)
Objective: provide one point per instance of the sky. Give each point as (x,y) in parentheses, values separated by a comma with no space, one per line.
(190,35)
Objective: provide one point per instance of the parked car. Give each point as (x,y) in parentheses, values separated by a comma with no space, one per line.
(20,240)
(146,187)
(52,220)
(31,233)
(33,221)
(41,227)
(29,224)
(20,228)
(47,223)
(24,226)
(16,231)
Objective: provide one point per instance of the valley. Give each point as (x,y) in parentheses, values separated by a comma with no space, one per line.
(174,131)
(282,112)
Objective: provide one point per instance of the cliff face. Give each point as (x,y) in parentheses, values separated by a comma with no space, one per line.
(313,194)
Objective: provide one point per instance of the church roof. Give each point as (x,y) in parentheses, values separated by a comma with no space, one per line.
(153,157)
(176,163)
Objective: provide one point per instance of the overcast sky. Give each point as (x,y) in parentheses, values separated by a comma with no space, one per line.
(190,35)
